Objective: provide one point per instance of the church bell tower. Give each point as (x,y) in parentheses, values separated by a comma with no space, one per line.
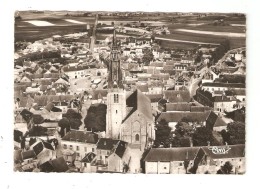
(116,97)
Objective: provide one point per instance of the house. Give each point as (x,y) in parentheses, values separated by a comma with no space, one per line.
(218,103)
(154,100)
(24,103)
(211,158)
(59,165)
(182,82)
(81,142)
(69,156)
(199,160)
(17,138)
(25,79)
(170,160)
(206,118)
(105,147)
(215,123)
(29,160)
(239,94)
(111,155)
(173,96)
(172,118)
(44,151)
(87,162)
(56,165)
(208,77)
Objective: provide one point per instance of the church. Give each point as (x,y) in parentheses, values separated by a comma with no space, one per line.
(129,117)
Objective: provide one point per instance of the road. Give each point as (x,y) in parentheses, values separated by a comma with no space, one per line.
(183,41)
(194,85)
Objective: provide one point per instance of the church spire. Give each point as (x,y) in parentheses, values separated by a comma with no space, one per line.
(115,73)
(114,38)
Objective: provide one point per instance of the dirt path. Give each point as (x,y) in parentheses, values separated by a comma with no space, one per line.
(183,41)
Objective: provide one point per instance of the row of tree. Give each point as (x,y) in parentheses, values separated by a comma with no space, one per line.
(184,134)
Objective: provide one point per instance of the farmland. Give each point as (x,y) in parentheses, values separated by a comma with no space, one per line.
(64,22)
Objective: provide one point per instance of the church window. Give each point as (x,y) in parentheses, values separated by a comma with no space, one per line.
(137,138)
(115,98)
(116,111)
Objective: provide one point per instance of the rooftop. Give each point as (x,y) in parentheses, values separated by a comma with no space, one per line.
(81,136)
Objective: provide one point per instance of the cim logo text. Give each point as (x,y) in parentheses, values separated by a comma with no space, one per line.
(219,150)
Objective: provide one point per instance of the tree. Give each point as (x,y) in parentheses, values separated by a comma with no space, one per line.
(226,168)
(75,123)
(163,134)
(202,136)
(64,125)
(225,136)
(147,56)
(183,129)
(237,132)
(96,118)
(72,114)
(198,57)
(237,115)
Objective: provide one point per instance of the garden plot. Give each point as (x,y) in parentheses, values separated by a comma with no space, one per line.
(40,23)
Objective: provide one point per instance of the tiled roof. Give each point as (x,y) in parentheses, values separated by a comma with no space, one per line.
(177,96)
(89,157)
(154,97)
(40,146)
(199,108)
(17,135)
(139,102)
(178,107)
(143,88)
(177,116)
(121,148)
(28,154)
(59,165)
(99,94)
(168,67)
(171,154)
(77,68)
(81,136)
(230,85)
(106,144)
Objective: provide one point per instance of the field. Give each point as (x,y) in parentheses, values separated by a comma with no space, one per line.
(65,22)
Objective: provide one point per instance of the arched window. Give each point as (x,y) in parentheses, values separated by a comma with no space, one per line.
(137,138)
